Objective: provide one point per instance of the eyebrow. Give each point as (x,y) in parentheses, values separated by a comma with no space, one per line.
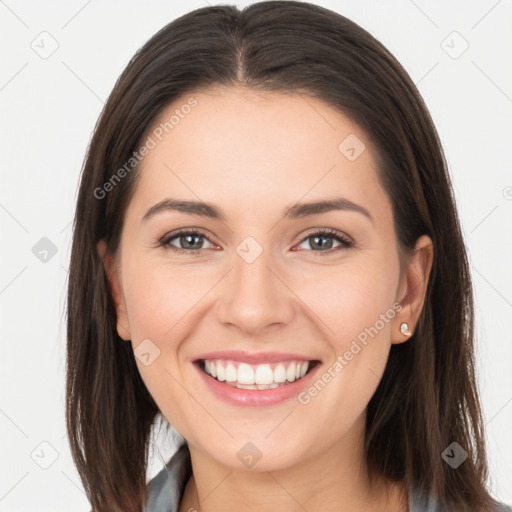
(296,211)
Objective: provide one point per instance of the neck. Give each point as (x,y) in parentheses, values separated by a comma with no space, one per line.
(332,480)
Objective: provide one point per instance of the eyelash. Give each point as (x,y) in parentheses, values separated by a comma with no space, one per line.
(165,241)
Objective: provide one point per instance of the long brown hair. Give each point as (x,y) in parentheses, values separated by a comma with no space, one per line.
(428,395)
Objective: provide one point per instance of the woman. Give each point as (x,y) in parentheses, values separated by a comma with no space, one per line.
(267,255)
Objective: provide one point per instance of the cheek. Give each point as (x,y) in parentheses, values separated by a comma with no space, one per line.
(364,327)
(159,296)
(349,298)
(355,304)
(165,304)
(162,304)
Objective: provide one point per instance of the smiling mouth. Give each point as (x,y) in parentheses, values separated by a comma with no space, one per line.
(256,376)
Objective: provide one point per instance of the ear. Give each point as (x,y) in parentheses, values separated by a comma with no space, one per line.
(112,271)
(413,288)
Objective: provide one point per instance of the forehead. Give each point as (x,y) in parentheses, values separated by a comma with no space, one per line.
(238,146)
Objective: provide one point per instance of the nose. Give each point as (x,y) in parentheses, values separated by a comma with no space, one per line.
(254,297)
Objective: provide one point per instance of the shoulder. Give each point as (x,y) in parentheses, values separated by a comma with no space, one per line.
(420,502)
(166,488)
(501,507)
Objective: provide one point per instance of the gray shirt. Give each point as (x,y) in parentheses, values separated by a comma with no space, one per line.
(165,490)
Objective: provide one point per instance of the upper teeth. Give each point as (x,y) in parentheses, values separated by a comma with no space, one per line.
(243,373)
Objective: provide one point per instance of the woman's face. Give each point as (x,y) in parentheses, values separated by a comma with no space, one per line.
(264,296)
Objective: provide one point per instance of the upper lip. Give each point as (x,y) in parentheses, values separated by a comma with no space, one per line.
(253,357)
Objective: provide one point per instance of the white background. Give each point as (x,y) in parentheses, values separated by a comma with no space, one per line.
(48,111)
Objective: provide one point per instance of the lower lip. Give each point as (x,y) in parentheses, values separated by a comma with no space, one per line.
(256,397)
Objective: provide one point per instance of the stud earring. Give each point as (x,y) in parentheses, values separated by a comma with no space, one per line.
(404,328)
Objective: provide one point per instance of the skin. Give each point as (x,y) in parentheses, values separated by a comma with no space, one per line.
(252,155)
